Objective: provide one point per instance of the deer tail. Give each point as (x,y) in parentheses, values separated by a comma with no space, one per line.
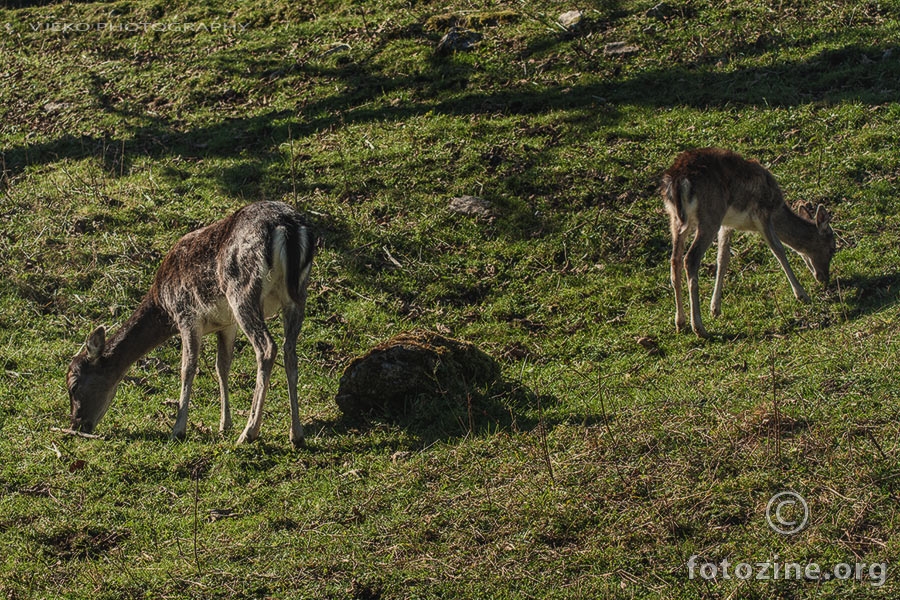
(299,247)
(675,192)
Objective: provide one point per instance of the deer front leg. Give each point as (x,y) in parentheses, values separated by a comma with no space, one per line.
(224,356)
(676,273)
(191,343)
(702,241)
(254,326)
(723,256)
(777,249)
(293,320)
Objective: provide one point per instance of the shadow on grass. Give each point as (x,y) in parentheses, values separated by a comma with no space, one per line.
(836,75)
(511,408)
(869,294)
(444,86)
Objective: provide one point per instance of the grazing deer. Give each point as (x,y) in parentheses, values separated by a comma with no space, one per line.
(234,273)
(714,191)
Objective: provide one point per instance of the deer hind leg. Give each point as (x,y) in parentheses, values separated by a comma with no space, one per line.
(293,320)
(723,256)
(191,343)
(224,355)
(702,241)
(676,270)
(777,249)
(249,316)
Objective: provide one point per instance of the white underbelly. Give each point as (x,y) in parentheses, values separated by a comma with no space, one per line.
(741,220)
(272,304)
(221,316)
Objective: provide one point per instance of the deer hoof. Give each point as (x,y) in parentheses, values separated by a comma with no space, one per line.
(246,438)
(297,437)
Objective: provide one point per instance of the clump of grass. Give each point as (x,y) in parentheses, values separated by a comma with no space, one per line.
(471,20)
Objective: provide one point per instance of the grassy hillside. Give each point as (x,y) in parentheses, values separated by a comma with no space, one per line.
(124,125)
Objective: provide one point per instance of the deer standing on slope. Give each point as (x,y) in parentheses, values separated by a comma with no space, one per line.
(713,192)
(234,273)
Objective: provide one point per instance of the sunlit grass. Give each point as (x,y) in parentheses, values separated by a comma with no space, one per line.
(627,448)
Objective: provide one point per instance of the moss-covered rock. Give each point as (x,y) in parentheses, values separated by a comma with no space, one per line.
(412,368)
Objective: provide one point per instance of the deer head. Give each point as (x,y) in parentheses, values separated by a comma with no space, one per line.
(818,256)
(91,387)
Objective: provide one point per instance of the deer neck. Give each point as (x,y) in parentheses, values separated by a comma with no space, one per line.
(146,329)
(794,231)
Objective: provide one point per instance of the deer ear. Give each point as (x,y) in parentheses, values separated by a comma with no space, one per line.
(805,209)
(822,217)
(96,342)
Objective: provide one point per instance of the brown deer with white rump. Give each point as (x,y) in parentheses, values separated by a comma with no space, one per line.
(713,192)
(237,272)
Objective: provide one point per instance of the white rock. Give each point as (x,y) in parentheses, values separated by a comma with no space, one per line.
(619,49)
(570,19)
(472,205)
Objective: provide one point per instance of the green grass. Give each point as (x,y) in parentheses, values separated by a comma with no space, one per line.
(616,465)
